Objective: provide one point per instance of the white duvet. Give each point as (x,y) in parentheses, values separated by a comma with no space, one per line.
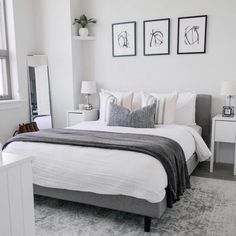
(106,171)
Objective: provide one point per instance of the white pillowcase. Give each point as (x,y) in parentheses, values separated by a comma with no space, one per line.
(171,108)
(105,100)
(186,109)
(147,99)
(123,98)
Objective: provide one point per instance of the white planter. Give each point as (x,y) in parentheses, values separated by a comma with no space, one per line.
(83,32)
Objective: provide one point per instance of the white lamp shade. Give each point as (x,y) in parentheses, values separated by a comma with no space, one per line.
(228,88)
(88,87)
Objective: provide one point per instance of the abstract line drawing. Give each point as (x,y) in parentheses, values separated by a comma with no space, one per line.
(122,38)
(191,35)
(192,32)
(157,38)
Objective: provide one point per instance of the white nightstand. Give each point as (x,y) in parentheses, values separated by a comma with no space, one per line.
(77,116)
(223,130)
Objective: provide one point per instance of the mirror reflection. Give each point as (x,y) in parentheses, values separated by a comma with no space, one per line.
(39,91)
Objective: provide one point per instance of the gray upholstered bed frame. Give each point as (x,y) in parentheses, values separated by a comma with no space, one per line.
(131,204)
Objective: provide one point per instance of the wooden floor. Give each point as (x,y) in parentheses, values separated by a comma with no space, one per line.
(221,171)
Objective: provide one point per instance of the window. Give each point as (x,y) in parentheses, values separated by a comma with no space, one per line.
(5,83)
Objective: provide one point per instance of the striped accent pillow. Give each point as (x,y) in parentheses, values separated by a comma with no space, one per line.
(137,100)
(165,112)
(167,108)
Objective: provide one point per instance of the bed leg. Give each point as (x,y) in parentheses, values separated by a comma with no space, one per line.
(147,223)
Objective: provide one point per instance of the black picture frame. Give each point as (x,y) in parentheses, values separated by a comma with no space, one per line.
(114,44)
(145,53)
(228,111)
(179,51)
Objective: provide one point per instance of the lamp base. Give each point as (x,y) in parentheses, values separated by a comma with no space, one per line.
(88,107)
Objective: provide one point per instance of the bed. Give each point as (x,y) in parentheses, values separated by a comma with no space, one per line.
(151,205)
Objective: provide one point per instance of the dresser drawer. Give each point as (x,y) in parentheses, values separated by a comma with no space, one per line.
(225,131)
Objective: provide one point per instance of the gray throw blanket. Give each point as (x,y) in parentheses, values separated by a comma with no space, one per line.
(167,151)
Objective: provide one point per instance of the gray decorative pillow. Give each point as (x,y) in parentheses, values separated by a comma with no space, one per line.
(141,118)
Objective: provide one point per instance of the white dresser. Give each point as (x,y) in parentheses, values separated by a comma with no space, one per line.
(16,196)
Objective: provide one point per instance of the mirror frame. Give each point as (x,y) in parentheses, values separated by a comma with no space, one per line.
(34,61)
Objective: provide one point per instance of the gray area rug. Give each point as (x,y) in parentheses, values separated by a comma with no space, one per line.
(209,208)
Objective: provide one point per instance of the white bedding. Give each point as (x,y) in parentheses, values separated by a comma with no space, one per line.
(108,171)
(196,128)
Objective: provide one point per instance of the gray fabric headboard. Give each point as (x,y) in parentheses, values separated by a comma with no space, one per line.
(203,116)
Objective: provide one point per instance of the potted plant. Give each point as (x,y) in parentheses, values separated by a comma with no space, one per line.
(83,21)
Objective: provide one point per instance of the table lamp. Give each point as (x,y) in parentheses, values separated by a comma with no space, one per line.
(88,88)
(228,88)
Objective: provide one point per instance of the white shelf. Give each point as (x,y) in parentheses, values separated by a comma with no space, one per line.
(88,38)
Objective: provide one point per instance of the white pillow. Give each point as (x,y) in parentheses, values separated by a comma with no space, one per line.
(186,109)
(105,100)
(137,101)
(166,107)
(147,99)
(123,98)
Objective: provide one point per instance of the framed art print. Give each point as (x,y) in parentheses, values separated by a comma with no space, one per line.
(124,39)
(192,34)
(156,37)
(228,111)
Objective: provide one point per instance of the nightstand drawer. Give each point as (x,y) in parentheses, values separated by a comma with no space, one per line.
(225,131)
(75,118)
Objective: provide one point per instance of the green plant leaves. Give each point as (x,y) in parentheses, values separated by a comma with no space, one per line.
(83,21)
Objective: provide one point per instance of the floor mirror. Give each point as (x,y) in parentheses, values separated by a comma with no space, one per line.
(39,91)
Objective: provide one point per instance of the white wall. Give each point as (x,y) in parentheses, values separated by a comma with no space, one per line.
(21,32)
(53,38)
(201,73)
(42,27)
(77,52)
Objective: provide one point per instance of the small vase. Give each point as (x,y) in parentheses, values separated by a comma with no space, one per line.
(83,32)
